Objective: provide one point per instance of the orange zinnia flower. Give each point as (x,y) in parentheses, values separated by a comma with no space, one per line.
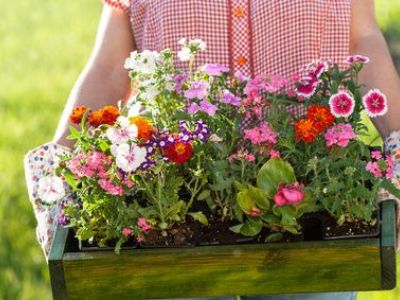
(321,116)
(95,118)
(145,129)
(77,114)
(306,130)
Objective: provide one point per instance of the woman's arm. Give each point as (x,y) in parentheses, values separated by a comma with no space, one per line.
(367,39)
(104,80)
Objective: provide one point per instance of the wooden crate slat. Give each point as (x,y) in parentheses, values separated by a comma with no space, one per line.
(225,270)
(388,244)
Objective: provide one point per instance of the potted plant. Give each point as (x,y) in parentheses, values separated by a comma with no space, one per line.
(209,183)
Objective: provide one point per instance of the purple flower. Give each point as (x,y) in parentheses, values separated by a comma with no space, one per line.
(215,69)
(193,108)
(208,108)
(198,89)
(180,80)
(240,77)
(229,98)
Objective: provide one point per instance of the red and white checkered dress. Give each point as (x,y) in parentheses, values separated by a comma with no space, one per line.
(254,36)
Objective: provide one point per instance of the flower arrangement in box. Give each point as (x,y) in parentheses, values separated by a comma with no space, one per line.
(205,150)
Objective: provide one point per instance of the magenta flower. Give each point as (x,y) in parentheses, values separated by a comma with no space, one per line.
(250,157)
(274,153)
(126,232)
(180,80)
(193,108)
(240,77)
(198,89)
(320,68)
(357,59)
(261,134)
(308,86)
(208,108)
(375,103)
(229,98)
(341,104)
(289,194)
(376,154)
(143,225)
(374,169)
(276,83)
(339,135)
(214,69)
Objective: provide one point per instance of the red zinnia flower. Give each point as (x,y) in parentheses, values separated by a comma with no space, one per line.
(321,116)
(306,130)
(77,114)
(179,152)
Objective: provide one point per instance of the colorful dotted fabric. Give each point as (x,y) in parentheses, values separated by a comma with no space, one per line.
(40,162)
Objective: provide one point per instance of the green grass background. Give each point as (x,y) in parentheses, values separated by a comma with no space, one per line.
(43,46)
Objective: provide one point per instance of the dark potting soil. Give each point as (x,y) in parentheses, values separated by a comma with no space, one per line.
(315,227)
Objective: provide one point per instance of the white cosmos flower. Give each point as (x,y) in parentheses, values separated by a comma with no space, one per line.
(199,43)
(144,62)
(51,189)
(182,41)
(123,133)
(131,61)
(129,158)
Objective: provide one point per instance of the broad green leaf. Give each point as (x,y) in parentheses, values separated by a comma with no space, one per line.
(274,237)
(245,201)
(251,229)
(270,218)
(203,195)
(236,228)
(200,217)
(273,173)
(259,196)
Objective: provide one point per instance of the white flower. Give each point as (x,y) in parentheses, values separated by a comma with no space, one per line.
(123,133)
(144,62)
(182,41)
(185,54)
(51,189)
(149,93)
(131,61)
(134,109)
(129,158)
(215,138)
(199,43)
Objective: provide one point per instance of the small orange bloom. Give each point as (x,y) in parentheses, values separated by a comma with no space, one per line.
(321,116)
(110,114)
(241,60)
(94,118)
(306,130)
(77,114)
(145,129)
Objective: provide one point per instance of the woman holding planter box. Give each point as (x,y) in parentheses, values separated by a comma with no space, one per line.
(250,36)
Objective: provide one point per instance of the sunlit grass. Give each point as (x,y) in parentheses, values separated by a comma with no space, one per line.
(43,46)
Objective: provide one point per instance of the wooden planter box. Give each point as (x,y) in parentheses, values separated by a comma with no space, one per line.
(257,269)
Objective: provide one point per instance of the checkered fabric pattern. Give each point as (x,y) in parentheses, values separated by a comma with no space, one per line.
(253,36)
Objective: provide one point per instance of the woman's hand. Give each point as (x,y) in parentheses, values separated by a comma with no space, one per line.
(104,80)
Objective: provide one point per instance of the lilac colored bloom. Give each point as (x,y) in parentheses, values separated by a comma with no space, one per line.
(180,80)
(276,83)
(229,98)
(240,77)
(208,108)
(214,69)
(340,135)
(193,108)
(198,89)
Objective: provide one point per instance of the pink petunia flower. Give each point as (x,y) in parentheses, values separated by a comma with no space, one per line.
(357,59)
(375,103)
(111,188)
(341,104)
(374,169)
(339,135)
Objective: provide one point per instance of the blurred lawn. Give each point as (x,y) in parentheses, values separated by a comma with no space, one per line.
(43,46)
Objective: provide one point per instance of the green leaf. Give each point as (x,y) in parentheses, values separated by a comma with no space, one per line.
(203,195)
(75,134)
(274,237)
(270,218)
(251,228)
(200,217)
(245,201)
(259,196)
(273,173)
(236,228)
(104,146)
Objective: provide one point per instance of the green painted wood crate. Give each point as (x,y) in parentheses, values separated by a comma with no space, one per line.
(257,269)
